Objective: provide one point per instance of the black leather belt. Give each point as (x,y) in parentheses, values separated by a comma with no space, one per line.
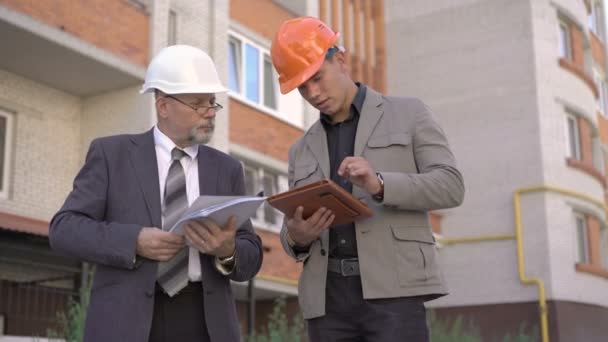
(344,267)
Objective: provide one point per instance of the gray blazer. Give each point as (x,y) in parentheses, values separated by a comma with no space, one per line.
(397,255)
(116,193)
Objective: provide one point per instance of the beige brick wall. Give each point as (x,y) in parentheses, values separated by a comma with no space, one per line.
(117,112)
(45,146)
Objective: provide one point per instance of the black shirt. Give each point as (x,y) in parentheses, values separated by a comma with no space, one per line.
(341,144)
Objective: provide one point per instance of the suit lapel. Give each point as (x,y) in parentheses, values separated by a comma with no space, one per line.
(143,159)
(316,138)
(207,171)
(370,115)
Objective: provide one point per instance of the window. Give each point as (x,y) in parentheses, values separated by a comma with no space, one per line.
(270,100)
(253,80)
(271,182)
(5,140)
(602,100)
(596,20)
(582,239)
(574,148)
(564,41)
(172,29)
(234,62)
(252,75)
(604,247)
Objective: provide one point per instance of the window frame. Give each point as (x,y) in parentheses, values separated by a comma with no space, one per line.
(600,82)
(172,27)
(582,257)
(279,177)
(5,186)
(263,55)
(576,139)
(595,20)
(567,44)
(604,247)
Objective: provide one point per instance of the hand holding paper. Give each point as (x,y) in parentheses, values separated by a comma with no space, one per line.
(209,238)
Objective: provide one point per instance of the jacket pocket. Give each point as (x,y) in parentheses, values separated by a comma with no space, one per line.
(401,138)
(416,256)
(301,173)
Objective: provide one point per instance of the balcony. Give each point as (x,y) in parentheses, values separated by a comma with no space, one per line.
(83,50)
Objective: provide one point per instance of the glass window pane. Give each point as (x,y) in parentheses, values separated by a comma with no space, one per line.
(252,73)
(250,181)
(270,93)
(563,41)
(3,143)
(234,65)
(581,237)
(573,138)
(270,188)
(172,28)
(604,247)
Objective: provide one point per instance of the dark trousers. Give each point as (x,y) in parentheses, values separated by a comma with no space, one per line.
(349,317)
(180,318)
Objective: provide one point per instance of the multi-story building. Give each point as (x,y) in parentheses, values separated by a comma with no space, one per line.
(520,88)
(70,71)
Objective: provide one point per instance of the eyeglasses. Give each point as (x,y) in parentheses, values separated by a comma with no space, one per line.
(202,110)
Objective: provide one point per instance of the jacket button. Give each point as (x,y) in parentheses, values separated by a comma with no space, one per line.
(150,294)
(323,252)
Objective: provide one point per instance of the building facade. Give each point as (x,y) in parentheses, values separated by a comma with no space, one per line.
(520,88)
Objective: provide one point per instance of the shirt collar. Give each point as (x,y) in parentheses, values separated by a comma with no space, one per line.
(166,144)
(357,105)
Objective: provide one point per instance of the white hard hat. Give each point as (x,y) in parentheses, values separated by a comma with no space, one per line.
(182,69)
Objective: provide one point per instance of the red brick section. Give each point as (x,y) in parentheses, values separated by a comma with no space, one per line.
(598,51)
(23,224)
(260,131)
(586,162)
(602,123)
(114,25)
(584,128)
(263,17)
(277,264)
(576,38)
(593,229)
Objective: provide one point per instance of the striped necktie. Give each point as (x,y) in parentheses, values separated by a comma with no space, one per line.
(172,275)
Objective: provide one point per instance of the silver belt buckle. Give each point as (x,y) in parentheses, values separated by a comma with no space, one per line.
(348,267)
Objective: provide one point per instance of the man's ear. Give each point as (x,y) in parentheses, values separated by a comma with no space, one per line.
(340,58)
(161,106)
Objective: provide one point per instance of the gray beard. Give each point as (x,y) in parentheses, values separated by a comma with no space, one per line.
(198,137)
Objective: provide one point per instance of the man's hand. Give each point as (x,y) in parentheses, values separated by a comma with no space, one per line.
(209,238)
(358,171)
(156,244)
(304,232)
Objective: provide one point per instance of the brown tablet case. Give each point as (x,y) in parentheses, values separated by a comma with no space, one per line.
(323,193)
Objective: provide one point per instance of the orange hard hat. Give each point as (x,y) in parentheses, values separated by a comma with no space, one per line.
(299,49)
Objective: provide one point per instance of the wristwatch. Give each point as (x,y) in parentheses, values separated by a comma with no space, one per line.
(380,195)
(228,260)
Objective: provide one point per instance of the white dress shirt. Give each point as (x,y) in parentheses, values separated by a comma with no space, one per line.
(164,145)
